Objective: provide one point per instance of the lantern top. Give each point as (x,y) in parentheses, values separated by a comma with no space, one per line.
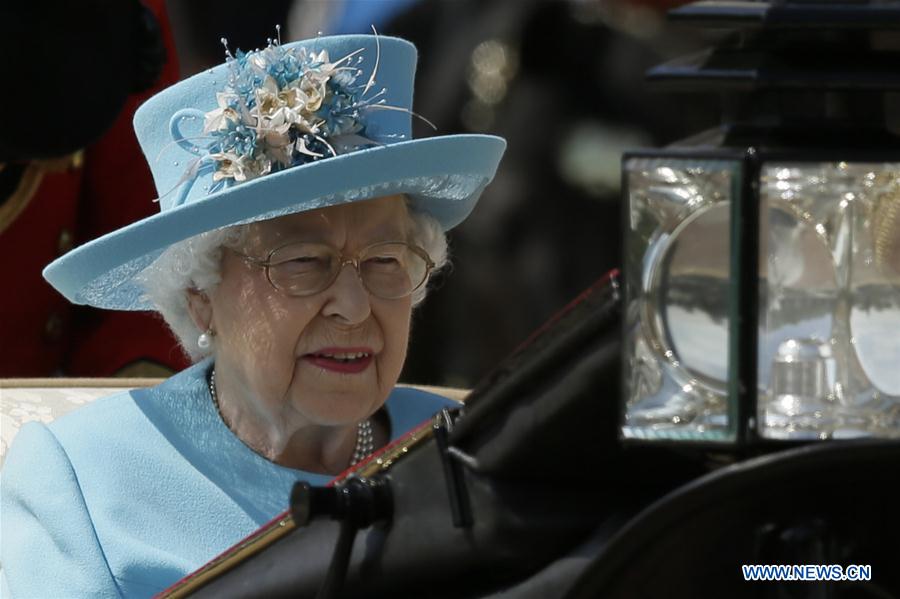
(790,46)
(791,14)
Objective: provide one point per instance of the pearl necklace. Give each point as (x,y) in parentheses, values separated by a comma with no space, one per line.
(365,438)
(365,442)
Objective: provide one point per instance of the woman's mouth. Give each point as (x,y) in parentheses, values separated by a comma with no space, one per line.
(346,361)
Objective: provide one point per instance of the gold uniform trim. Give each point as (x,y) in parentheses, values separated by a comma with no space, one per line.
(16,203)
(31,180)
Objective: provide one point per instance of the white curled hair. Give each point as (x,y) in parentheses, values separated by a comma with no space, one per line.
(195,263)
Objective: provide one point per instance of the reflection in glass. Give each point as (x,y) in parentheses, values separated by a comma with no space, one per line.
(829,336)
(830,288)
(677,272)
(692,287)
(802,376)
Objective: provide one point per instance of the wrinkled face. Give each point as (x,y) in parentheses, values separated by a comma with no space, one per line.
(276,348)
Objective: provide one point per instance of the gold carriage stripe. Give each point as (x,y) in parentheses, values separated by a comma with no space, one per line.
(284,524)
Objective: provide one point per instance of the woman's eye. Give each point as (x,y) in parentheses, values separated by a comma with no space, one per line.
(383,265)
(304,265)
(305,259)
(384,261)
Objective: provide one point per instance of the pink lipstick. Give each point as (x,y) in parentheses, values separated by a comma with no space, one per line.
(346,360)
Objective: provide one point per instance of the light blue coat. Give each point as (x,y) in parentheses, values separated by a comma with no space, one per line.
(127,495)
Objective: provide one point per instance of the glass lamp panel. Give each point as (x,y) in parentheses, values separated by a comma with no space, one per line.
(677,273)
(829,345)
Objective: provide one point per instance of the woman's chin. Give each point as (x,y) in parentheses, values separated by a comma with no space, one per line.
(337,397)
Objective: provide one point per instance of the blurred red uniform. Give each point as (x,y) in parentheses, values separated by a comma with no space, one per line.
(63,203)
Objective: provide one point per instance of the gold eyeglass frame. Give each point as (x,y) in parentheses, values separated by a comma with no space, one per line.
(354,261)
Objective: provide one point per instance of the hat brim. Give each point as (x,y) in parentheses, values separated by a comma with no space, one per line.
(444,176)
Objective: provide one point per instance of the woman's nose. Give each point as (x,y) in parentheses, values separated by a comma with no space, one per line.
(348,299)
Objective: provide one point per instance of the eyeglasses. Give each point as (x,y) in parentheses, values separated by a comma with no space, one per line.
(388,270)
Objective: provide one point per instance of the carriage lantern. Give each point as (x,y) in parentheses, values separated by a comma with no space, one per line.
(762,258)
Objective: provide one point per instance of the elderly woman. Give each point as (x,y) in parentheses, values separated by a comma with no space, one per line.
(298,227)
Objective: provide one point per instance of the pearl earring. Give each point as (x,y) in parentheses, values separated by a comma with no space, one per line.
(204,341)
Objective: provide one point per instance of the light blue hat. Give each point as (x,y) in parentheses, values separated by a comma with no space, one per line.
(282,130)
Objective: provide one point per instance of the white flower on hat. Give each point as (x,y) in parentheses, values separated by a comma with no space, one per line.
(283,107)
(272,112)
(239,167)
(215,119)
